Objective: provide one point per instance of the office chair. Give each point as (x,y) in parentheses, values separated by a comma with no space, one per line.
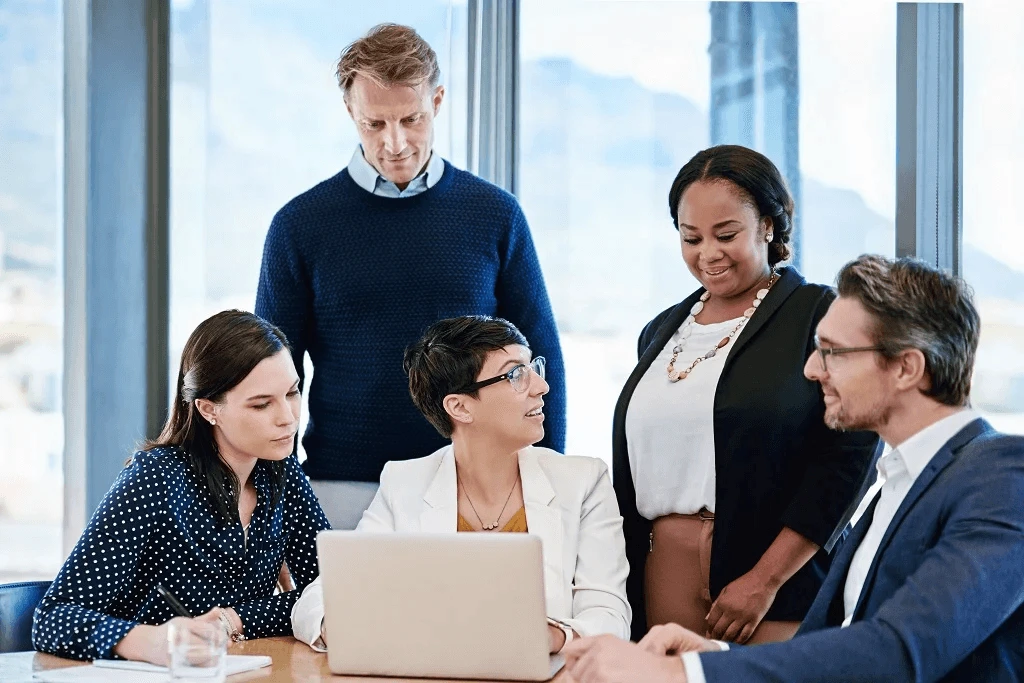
(17,603)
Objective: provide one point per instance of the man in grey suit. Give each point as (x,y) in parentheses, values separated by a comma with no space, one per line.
(929,584)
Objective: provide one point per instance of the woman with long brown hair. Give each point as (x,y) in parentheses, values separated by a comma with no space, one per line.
(209,510)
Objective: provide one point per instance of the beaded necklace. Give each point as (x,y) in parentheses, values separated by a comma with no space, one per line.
(684,332)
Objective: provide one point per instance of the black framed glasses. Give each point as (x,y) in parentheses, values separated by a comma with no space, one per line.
(839,350)
(518,377)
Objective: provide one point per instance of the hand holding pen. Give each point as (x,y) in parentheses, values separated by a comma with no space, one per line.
(226,616)
(146,643)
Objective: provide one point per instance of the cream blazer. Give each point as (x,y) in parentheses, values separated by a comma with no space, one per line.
(569,504)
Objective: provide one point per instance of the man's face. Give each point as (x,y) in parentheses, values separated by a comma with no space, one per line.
(395,125)
(859,391)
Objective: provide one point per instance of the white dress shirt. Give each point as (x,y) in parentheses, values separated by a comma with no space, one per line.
(366,177)
(570,505)
(898,469)
(670,428)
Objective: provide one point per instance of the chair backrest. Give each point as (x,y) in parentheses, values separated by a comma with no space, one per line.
(17,603)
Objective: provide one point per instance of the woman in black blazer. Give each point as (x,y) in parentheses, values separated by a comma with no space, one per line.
(729,483)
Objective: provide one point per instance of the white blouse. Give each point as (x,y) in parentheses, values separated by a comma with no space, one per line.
(670,426)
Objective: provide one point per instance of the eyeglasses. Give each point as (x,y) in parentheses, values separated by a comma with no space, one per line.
(838,350)
(518,377)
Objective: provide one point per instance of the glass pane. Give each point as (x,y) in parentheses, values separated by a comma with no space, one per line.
(603,133)
(31,290)
(993,260)
(847,83)
(257,118)
(616,96)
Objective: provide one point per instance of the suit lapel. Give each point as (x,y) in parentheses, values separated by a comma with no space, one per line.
(789,281)
(827,608)
(938,463)
(544,519)
(840,569)
(441,499)
(661,336)
(664,333)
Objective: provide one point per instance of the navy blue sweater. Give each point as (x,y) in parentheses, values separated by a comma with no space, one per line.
(353,279)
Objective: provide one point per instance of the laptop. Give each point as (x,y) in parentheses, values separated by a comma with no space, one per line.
(435,605)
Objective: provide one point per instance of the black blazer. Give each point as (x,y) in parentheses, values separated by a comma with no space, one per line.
(777,464)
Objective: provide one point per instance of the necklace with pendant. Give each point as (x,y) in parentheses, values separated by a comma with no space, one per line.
(487,527)
(675,375)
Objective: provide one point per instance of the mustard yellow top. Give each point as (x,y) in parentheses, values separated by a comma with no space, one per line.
(515,525)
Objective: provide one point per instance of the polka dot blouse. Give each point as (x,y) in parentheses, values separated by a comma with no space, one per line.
(157,525)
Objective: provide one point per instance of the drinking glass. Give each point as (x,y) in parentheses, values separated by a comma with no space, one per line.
(198,652)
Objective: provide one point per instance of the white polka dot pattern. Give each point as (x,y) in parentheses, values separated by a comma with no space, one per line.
(157,525)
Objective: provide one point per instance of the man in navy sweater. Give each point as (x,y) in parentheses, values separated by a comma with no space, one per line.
(356,268)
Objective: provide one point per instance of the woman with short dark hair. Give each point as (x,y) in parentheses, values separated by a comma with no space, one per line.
(209,510)
(729,482)
(475,379)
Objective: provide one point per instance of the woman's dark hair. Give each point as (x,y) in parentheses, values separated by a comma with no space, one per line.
(449,357)
(221,353)
(759,183)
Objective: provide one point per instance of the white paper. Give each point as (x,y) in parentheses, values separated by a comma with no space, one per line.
(235,664)
(116,670)
(96,674)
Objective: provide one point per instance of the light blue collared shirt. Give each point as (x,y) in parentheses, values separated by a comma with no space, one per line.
(367,177)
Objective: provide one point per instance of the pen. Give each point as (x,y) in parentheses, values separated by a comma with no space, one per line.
(175,604)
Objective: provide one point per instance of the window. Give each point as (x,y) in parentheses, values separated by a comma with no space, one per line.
(617,96)
(847,83)
(993,256)
(602,134)
(31,290)
(257,118)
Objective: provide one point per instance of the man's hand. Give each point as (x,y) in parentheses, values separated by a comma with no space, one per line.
(740,607)
(673,639)
(607,659)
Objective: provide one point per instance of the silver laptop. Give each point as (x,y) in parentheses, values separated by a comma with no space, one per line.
(435,605)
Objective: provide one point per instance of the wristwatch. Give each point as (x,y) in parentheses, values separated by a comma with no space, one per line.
(565,628)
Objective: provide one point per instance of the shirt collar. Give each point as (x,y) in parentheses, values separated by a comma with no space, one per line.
(367,177)
(917,451)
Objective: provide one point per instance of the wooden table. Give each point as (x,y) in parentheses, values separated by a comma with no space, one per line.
(293,661)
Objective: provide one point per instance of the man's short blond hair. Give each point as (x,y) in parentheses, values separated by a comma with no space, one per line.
(390,54)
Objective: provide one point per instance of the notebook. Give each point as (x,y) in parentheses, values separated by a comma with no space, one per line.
(115,670)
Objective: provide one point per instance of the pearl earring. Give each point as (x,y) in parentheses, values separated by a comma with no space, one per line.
(768,237)
(213,423)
